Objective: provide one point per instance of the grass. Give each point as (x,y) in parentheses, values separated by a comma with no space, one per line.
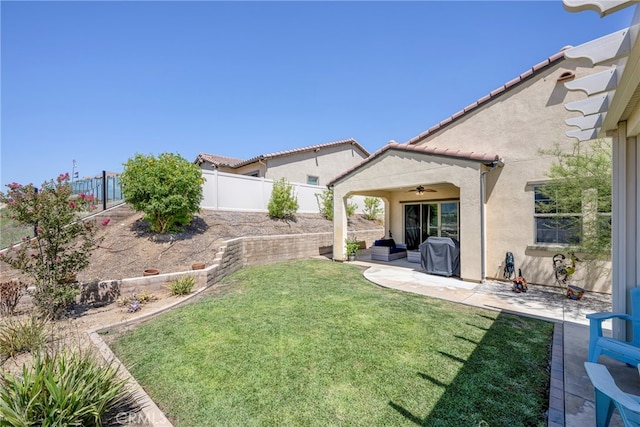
(10,231)
(313,343)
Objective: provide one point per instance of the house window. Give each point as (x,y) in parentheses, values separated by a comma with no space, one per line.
(313,180)
(255,174)
(553,224)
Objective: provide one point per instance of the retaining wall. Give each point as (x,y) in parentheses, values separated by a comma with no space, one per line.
(231,257)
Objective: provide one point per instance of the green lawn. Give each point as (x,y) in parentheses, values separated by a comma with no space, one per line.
(312,343)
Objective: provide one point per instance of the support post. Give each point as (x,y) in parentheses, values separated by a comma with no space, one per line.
(104,190)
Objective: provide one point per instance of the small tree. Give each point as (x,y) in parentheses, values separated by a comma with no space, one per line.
(283,203)
(580,182)
(167,188)
(372,208)
(61,245)
(351,207)
(326,205)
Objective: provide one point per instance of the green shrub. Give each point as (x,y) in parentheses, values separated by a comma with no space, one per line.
(351,246)
(168,189)
(182,286)
(53,300)
(10,294)
(20,335)
(283,203)
(326,204)
(63,389)
(351,207)
(372,208)
(61,243)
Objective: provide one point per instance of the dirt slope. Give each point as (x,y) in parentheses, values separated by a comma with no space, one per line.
(128,247)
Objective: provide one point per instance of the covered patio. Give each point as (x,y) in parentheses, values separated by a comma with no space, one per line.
(427,193)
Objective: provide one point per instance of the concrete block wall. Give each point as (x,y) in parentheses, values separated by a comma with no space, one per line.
(268,249)
(230,258)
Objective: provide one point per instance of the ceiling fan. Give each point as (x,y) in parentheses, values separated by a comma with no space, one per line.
(420,190)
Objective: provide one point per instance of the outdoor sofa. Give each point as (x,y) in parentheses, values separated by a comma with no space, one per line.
(387,250)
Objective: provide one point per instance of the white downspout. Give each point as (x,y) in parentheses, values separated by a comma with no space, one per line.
(483,255)
(260,162)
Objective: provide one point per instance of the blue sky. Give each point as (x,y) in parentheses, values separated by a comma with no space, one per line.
(97,82)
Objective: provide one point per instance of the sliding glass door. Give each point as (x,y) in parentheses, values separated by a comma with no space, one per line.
(422,220)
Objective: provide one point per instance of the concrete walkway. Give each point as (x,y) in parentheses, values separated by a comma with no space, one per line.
(571,392)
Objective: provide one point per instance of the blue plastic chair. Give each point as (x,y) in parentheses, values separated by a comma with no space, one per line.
(626,351)
(609,397)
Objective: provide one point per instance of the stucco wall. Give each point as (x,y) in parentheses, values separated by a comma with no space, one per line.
(248,170)
(392,175)
(326,163)
(517,126)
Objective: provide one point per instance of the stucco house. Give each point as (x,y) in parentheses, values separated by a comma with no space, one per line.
(474,177)
(313,165)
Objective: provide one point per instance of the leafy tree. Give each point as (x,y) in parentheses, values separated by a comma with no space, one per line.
(283,203)
(167,188)
(581,183)
(61,245)
(351,207)
(326,205)
(372,208)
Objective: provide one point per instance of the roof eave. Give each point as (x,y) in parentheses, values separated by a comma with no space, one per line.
(484,158)
(602,7)
(607,100)
(525,76)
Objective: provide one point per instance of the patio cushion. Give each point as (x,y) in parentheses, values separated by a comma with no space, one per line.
(387,251)
(389,243)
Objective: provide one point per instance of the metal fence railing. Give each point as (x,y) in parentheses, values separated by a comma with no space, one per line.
(105,189)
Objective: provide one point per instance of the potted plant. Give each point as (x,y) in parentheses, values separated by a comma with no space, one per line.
(352,247)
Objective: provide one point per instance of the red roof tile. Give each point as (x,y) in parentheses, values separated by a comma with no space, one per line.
(496,92)
(350,141)
(428,150)
(217,160)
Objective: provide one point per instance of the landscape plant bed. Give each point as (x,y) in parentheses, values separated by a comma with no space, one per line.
(314,343)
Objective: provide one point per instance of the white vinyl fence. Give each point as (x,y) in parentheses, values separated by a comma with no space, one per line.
(226,191)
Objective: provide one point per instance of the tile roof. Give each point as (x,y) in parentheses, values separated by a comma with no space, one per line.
(235,163)
(492,95)
(218,160)
(481,157)
(428,150)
